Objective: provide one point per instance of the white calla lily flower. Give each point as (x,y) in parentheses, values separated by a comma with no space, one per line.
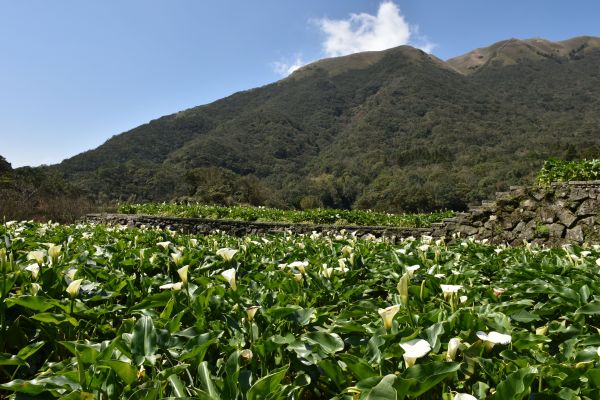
(464,396)
(229,275)
(183,274)
(226,253)
(172,286)
(34,269)
(450,290)
(452,349)
(73,288)
(299,265)
(414,349)
(251,311)
(177,258)
(494,338)
(411,269)
(35,288)
(37,256)
(387,314)
(54,251)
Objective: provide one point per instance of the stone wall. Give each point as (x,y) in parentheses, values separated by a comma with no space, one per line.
(240,228)
(558,214)
(554,215)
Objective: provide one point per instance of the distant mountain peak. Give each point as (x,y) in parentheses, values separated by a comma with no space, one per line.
(338,65)
(513,51)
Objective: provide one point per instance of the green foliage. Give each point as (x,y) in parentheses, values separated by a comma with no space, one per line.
(42,194)
(563,171)
(313,216)
(134,330)
(395,131)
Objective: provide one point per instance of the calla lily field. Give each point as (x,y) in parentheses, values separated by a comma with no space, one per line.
(102,312)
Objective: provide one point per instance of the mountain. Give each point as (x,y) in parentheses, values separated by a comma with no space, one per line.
(393,130)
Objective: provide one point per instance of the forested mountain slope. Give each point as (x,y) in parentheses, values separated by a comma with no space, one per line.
(392,130)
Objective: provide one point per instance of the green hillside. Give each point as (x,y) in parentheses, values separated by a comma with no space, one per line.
(397,130)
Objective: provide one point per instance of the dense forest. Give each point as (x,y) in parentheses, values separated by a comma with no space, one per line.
(397,130)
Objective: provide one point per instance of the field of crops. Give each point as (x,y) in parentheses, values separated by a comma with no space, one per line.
(313,216)
(107,312)
(564,171)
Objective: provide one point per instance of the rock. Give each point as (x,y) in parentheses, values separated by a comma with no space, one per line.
(589,207)
(566,217)
(575,235)
(556,230)
(589,221)
(528,205)
(548,214)
(467,230)
(520,227)
(539,195)
(578,194)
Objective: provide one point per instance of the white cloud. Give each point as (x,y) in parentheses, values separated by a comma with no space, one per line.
(284,68)
(366,32)
(362,32)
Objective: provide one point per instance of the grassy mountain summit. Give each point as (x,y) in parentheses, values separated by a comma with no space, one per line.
(393,130)
(515,51)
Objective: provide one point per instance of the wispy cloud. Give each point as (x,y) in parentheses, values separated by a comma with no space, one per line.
(366,32)
(362,32)
(285,68)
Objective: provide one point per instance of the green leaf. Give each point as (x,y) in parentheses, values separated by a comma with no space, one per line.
(591,308)
(143,343)
(55,319)
(124,370)
(206,380)
(36,386)
(9,359)
(359,367)
(30,350)
(516,385)
(35,303)
(267,386)
(329,342)
(177,386)
(420,378)
(384,390)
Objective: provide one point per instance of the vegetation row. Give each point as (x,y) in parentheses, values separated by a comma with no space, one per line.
(107,312)
(313,216)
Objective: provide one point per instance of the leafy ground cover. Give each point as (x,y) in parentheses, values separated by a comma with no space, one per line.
(107,312)
(564,171)
(314,216)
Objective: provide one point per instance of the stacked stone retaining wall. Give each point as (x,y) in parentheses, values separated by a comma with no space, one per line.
(554,215)
(240,228)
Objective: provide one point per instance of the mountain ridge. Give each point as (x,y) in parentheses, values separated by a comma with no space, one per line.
(395,130)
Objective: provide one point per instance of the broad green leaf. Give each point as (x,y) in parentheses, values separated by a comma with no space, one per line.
(177,386)
(206,380)
(125,371)
(30,350)
(9,359)
(55,319)
(591,308)
(421,378)
(333,371)
(36,386)
(267,386)
(329,342)
(35,303)
(359,367)
(384,390)
(516,385)
(143,343)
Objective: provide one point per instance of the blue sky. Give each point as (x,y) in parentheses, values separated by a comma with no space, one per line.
(73,73)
